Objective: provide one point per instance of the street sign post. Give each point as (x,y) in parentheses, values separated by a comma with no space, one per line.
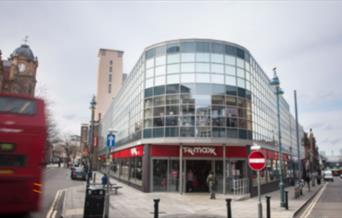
(110,143)
(257,162)
(110,140)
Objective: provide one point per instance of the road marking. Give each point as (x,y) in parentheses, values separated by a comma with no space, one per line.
(52,212)
(308,210)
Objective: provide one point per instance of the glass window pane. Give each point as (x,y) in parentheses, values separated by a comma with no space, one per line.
(150,53)
(240,63)
(217,48)
(158,111)
(172,99)
(229,59)
(158,132)
(187,78)
(174,78)
(188,57)
(241,83)
(160,81)
(231,80)
(149,83)
(161,60)
(188,109)
(200,67)
(173,49)
(173,58)
(230,70)
(187,132)
(150,63)
(202,46)
(187,121)
(202,57)
(188,47)
(217,58)
(240,73)
(160,70)
(159,90)
(160,51)
(172,89)
(203,89)
(171,132)
(159,101)
(203,78)
(172,110)
(216,78)
(173,68)
(217,68)
(188,67)
(150,73)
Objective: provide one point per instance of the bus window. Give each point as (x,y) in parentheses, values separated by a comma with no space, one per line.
(17,106)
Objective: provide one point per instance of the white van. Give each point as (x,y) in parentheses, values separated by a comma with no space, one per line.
(328,176)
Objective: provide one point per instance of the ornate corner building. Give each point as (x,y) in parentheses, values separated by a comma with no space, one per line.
(18,72)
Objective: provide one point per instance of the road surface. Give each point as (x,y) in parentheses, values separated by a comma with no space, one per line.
(327,203)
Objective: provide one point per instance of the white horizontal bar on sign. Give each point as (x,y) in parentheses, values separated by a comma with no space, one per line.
(257,160)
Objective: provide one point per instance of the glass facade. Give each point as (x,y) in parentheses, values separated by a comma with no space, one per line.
(199,89)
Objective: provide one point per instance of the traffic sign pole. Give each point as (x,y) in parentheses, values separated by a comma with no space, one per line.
(257,162)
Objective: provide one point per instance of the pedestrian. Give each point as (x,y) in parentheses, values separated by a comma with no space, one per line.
(211,183)
(104,180)
(307,180)
(189,179)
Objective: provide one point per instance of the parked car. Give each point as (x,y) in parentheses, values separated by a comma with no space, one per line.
(78,172)
(328,176)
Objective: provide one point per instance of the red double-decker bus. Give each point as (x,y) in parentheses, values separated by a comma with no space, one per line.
(22,143)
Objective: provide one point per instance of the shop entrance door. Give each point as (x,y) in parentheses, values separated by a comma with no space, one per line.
(196,175)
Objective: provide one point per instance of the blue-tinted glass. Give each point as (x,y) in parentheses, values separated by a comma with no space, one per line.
(148,92)
(219,132)
(242,134)
(188,47)
(150,53)
(202,47)
(231,90)
(173,49)
(218,89)
(248,94)
(217,48)
(158,132)
(230,50)
(241,92)
(203,89)
(249,135)
(232,133)
(174,88)
(187,131)
(240,53)
(247,56)
(188,88)
(202,100)
(160,51)
(172,121)
(147,133)
(159,90)
(171,132)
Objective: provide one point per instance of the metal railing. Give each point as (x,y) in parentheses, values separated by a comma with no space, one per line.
(238,186)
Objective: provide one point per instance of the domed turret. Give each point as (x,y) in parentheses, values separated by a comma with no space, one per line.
(23,51)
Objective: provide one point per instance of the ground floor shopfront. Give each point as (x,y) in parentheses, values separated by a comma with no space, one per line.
(184,168)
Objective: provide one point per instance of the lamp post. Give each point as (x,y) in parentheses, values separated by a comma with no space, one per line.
(276,84)
(91,139)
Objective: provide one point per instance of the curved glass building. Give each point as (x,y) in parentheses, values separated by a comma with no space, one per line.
(191,106)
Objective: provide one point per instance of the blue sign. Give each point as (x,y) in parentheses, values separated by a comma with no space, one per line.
(110,140)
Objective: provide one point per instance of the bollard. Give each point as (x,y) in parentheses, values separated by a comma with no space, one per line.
(156,207)
(268,206)
(229,208)
(286,200)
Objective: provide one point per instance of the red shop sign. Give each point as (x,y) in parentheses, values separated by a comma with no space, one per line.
(202,151)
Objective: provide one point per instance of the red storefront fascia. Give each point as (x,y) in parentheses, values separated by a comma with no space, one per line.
(193,151)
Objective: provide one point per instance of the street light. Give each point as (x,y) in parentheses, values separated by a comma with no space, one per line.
(276,84)
(91,139)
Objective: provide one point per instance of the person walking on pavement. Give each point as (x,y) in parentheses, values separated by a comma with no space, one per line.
(104,180)
(211,183)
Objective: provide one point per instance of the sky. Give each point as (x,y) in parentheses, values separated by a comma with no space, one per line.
(303,39)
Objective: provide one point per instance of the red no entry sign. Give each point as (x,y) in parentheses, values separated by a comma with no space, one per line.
(256,160)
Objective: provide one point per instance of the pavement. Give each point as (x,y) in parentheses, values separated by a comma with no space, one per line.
(132,203)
